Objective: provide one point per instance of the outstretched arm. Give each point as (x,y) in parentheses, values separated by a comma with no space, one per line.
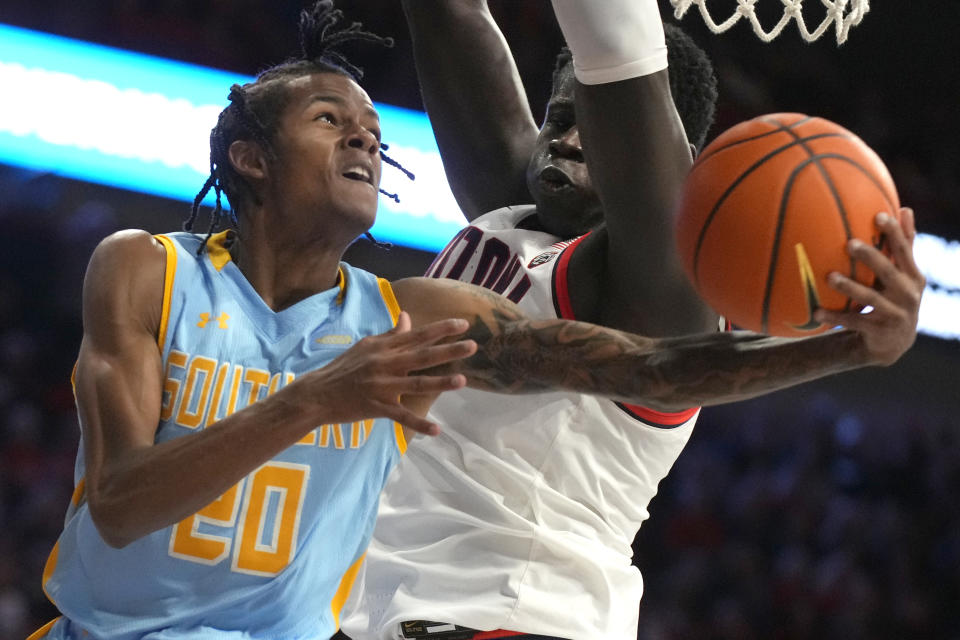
(477,106)
(520,355)
(637,150)
(135,485)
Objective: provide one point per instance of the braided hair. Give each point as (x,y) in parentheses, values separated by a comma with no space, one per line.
(255,108)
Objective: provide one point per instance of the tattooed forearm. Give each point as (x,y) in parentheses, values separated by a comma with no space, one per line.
(522,356)
(518,355)
(719,368)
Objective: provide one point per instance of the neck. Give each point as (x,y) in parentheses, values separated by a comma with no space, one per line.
(283,266)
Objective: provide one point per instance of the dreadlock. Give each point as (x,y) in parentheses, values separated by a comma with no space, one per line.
(693,82)
(255,108)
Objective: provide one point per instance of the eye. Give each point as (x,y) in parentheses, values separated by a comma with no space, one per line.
(559,121)
(326,116)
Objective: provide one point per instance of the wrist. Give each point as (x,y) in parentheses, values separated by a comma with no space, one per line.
(854,350)
(299,404)
(612,40)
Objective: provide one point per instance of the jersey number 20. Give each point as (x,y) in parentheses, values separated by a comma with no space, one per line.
(261,545)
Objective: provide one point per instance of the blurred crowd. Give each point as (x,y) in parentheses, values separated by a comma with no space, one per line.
(41,270)
(801,515)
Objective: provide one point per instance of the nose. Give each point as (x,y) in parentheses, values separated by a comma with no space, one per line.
(360,137)
(567,145)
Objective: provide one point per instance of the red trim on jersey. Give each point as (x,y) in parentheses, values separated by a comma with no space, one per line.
(561,290)
(499,633)
(561,298)
(658,418)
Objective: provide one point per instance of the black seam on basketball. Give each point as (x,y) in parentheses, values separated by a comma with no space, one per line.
(865,171)
(812,160)
(713,152)
(872,178)
(775,252)
(828,179)
(752,138)
(781,126)
(731,188)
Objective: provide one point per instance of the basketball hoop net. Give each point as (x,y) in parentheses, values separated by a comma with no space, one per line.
(842,13)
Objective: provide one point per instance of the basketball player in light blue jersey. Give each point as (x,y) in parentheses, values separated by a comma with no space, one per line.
(243,396)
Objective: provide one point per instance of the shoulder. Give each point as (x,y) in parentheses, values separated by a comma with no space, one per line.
(129,257)
(505,217)
(129,246)
(422,292)
(126,274)
(429,299)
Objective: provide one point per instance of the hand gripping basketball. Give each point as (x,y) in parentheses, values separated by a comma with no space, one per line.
(889,326)
(766,214)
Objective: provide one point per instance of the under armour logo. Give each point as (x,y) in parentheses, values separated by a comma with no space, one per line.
(221,320)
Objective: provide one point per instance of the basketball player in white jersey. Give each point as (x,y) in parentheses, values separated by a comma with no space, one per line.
(517,521)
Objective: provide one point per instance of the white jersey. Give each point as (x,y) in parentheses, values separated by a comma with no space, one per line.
(520,515)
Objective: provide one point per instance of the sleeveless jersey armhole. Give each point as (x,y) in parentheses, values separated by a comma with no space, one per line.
(560,283)
(44,631)
(170,273)
(668,420)
(564,309)
(393,307)
(389,298)
(343,591)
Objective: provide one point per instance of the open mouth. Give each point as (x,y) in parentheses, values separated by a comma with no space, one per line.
(359,173)
(553,179)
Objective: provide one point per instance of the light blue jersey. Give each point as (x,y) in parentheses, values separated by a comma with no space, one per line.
(275,556)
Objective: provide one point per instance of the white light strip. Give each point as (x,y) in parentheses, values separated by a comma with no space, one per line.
(939,260)
(63,109)
(940,313)
(143,123)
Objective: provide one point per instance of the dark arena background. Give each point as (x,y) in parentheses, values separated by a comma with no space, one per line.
(825,512)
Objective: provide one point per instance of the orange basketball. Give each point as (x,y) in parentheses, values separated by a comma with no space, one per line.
(766,214)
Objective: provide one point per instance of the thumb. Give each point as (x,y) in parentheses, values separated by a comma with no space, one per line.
(403,323)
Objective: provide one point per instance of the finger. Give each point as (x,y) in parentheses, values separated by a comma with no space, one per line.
(403,324)
(908,223)
(849,319)
(900,236)
(886,271)
(431,356)
(420,425)
(394,410)
(429,333)
(399,413)
(420,385)
(859,293)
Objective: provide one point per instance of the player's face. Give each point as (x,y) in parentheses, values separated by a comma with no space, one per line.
(327,165)
(557,175)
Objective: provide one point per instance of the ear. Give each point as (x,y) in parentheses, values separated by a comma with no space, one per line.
(248,159)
